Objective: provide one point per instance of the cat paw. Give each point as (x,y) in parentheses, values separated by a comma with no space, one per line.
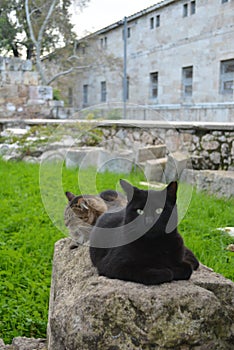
(158,276)
(182,272)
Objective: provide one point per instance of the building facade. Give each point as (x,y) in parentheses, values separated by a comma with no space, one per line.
(180,60)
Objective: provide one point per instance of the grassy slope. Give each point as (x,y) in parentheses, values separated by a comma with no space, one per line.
(27,237)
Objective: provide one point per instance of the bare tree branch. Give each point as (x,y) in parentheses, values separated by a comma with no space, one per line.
(70,70)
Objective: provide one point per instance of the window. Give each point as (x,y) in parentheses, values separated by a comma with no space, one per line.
(185,10)
(193,7)
(103,42)
(187,81)
(158,21)
(152,23)
(103,91)
(85,95)
(128,32)
(154,85)
(227,77)
(128,83)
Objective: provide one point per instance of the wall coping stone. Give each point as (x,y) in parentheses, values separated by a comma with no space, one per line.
(229,126)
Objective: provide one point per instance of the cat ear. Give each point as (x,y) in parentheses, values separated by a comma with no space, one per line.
(128,188)
(171,191)
(69,196)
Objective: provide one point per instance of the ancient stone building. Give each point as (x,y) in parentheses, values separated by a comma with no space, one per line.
(180,62)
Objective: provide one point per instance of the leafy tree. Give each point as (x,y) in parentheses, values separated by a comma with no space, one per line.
(8,29)
(40,26)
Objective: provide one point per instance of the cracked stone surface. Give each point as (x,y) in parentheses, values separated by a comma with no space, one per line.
(92,312)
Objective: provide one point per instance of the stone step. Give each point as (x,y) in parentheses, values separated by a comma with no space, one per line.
(150,152)
(154,169)
(177,162)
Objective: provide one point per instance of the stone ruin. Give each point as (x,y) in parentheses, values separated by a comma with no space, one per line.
(21,95)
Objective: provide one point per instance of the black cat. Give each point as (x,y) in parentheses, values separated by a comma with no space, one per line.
(140,243)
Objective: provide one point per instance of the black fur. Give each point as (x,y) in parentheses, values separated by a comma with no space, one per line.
(155,252)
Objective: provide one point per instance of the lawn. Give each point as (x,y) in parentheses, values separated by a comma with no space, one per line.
(32,204)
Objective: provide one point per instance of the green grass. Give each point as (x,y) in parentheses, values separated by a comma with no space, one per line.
(27,236)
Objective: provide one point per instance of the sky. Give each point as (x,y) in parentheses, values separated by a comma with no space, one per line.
(101,13)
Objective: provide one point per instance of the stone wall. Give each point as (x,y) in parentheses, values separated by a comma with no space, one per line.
(21,94)
(211,147)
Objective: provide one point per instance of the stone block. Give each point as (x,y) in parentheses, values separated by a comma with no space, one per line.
(10,107)
(15,77)
(150,152)
(216,182)
(40,93)
(27,65)
(30,78)
(177,162)
(14,64)
(87,311)
(83,157)
(154,169)
(23,343)
(2,63)
(8,91)
(121,162)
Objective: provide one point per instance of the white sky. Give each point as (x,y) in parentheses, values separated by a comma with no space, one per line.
(101,13)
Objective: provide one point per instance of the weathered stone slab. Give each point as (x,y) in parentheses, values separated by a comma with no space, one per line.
(121,162)
(40,93)
(150,152)
(82,157)
(27,65)
(177,162)
(217,182)
(22,343)
(154,169)
(30,78)
(91,312)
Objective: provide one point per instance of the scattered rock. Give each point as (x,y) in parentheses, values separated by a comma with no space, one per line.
(154,169)
(82,157)
(177,162)
(219,182)
(22,343)
(121,162)
(228,230)
(230,247)
(150,152)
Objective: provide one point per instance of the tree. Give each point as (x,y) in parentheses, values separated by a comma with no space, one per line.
(8,29)
(40,26)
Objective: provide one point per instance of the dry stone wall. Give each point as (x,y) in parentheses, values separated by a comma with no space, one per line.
(209,149)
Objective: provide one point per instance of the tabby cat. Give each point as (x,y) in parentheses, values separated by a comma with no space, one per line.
(141,243)
(82,212)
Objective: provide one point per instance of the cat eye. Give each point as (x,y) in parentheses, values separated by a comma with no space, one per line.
(140,212)
(159,210)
